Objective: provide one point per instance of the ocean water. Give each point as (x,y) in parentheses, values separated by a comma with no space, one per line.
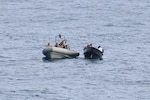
(121,27)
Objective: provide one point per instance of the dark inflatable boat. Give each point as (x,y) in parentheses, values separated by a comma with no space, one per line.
(92,53)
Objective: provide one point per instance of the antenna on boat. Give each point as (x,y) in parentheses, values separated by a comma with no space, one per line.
(59,35)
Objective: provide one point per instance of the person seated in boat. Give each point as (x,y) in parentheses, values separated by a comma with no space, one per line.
(48,45)
(89,45)
(101,49)
(57,45)
(63,44)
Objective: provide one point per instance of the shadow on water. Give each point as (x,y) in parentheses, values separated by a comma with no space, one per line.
(82,60)
(45,59)
(78,59)
(93,61)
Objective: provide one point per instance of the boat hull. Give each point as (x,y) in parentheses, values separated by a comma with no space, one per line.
(59,53)
(92,53)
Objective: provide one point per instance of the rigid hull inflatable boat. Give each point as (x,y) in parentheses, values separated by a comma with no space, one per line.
(59,53)
(60,50)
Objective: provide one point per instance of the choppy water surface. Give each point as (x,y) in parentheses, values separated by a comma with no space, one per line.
(121,27)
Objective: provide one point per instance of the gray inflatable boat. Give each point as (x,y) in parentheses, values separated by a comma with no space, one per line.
(59,53)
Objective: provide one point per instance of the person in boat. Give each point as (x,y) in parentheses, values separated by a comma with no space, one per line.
(48,45)
(57,45)
(89,45)
(101,49)
(63,44)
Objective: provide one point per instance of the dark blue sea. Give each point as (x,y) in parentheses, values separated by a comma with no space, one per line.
(121,27)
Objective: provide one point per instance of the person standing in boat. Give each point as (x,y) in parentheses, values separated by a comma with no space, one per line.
(101,49)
